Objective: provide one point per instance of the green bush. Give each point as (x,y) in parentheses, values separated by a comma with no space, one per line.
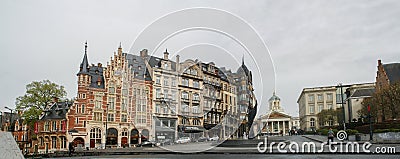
(351,132)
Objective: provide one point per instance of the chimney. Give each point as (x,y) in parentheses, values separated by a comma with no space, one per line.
(55,99)
(177,62)
(166,54)
(143,53)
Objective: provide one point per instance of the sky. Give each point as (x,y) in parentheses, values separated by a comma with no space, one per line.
(311,43)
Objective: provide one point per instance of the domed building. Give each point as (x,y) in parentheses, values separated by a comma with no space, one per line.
(276,121)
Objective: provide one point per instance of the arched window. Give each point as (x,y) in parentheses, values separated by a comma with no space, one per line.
(312,122)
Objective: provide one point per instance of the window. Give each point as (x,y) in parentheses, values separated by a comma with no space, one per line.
(62,125)
(312,122)
(185,108)
(54,126)
(83,108)
(185,82)
(77,120)
(196,97)
(76,108)
(196,84)
(110,117)
(196,109)
(330,106)
(165,93)
(124,118)
(329,96)
(166,81)
(158,80)
(63,143)
(41,141)
(123,104)
(196,122)
(53,142)
(95,133)
(111,102)
(320,97)
(98,116)
(173,81)
(165,109)
(98,100)
(84,96)
(312,109)
(124,132)
(173,95)
(111,90)
(320,108)
(157,108)
(166,66)
(185,95)
(124,92)
(46,126)
(158,93)
(311,98)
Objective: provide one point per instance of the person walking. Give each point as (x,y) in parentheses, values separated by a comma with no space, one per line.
(330,135)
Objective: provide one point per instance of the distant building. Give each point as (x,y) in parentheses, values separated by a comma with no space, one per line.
(276,121)
(386,75)
(356,95)
(313,100)
(51,128)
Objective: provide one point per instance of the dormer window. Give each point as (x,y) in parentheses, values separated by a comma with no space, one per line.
(166,66)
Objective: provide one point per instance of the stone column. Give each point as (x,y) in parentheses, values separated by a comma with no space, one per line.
(284,127)
(272,124)
(279,128)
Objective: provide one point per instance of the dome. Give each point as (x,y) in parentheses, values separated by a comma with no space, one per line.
(274,97)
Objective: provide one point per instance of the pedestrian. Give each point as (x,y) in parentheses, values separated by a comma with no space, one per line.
(330,135)
(71,148)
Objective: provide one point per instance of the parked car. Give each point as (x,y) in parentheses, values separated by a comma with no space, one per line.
(147,144)
(202,139)
(183,140)
(215,138)
(165,142)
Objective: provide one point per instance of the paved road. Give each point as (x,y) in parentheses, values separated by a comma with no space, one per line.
(242,156)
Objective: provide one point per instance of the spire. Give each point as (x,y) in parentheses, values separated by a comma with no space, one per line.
(243,59)
(120,45)
(85,64)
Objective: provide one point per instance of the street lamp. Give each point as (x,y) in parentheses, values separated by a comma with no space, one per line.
(10,127)
(344,114)
(108,104)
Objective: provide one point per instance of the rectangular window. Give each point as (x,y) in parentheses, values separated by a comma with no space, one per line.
(77,120)
(123,104)
(53,142)
(330,106)
(185,82)
(83,108)
(110,117)
(173,95)
(111,90)
(196,109)
(62,125)
(46,126)
(157,108)
(158,93)
(98,100)
(166,93)
(166,81)
(311,98)
(76,108)
(196,84)
(329,97)
(320,108)
(173,81)
(111,102)
(320,97)
(158,80)
(312,109)
(98,116)
(63,142)
(123,118)
(53,126)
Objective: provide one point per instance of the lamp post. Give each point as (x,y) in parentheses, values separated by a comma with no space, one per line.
(344,114)
(108,104)
(10,127)
(370,123)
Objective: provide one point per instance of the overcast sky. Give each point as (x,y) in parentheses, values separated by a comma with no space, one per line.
(312,42)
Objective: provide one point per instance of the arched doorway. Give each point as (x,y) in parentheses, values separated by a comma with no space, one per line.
(145,135)
(79,142)
(95,137)
(124,138)
(134,136)
(112,137)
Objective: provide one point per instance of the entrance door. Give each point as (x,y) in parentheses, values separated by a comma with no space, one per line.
(92,143)
(124,141)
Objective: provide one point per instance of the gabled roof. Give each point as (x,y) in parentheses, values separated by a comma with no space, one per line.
(392,71)
(275,115)
(57,110)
